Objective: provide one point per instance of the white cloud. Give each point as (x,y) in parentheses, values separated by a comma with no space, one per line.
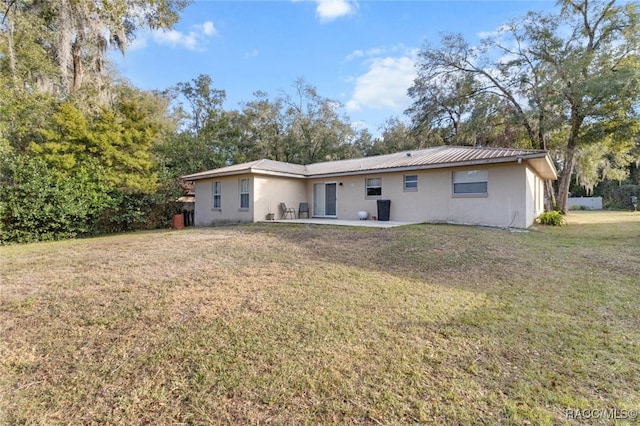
(208,29)
(195,39)
(252,54)
(385,84)
(373,52)
(329,10)
(355,54)
(140,42)
(173,38)
(499,32)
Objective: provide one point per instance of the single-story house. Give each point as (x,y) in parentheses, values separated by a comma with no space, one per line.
(500,187)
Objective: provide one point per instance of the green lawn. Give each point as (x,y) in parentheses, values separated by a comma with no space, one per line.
(299,324)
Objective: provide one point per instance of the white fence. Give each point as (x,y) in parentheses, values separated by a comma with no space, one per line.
(589,203)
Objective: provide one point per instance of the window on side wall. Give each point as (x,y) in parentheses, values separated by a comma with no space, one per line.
(374,187)
(411,182)
(244,193)
(470,183)
(217,195)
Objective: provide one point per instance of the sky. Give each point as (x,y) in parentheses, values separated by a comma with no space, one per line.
(360,53)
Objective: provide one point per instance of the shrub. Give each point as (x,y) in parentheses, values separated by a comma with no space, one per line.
(133,211)
(37,204)
(553,218)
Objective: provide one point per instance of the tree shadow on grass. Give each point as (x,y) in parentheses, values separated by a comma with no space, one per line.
(440,254)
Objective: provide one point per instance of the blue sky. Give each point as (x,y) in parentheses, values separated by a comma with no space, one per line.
(360,53)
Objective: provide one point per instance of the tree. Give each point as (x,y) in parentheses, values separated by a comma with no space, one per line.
(609,155)
(203,100)
(300,127)
(74,36)
(264,127)
(315,124)
(396,136)
(596,69)
(558,73)
(363,143)
(24,59)
(206,136)
(82,136)
(443,103)
(118,139)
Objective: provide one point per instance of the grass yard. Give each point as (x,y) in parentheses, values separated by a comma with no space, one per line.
(298,324)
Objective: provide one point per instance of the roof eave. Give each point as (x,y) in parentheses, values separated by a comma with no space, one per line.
(543,166)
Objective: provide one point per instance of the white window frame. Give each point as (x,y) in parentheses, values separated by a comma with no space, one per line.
(244,193)
(412,181)
(370,185)
(470,183)
(217,195)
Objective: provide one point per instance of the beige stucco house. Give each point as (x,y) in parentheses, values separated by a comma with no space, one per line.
(453,184)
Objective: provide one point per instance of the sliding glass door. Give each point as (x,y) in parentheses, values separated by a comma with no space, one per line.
(325,201)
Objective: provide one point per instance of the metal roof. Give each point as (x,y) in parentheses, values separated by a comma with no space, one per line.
(263,166)
(430,158)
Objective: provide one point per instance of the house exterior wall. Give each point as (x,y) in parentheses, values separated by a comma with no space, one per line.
(264,192)
(270,191)
(504,205)
(229,211)
(534,196)
(514,197)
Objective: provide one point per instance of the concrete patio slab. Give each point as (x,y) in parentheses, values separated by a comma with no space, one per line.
(338,222)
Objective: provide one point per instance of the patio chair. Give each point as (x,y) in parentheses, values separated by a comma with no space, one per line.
(303,208)
(287,211)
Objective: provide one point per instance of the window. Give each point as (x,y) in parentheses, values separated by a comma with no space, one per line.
(411,183)
(472,182)
(217,195)
(374,187)
(244,193)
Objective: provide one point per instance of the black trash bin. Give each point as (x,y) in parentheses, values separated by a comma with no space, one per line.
(384,207)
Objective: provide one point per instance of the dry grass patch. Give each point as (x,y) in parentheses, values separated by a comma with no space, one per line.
(296,324)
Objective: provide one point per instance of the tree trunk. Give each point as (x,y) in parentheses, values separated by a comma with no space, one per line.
(549,196)
(565,180)
(11,52)
(76,49)
(569,164)
(570,154)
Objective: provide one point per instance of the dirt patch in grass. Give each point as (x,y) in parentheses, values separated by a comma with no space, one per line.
(292,324)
